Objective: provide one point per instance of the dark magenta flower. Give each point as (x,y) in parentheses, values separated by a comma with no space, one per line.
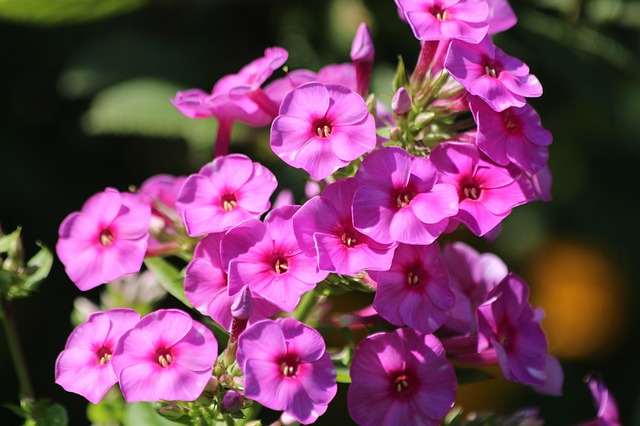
(105,240)
(225,192)
(84,366)
(415,290)
(322,128)
(401,378)
(167,355)
(399,199)
(286,367)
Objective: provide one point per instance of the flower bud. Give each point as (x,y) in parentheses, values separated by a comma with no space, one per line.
(362,49)
(171,411)
(401,102)
(242,306)
(232,401)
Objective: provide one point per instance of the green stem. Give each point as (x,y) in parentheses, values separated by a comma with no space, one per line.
(307,303)
(8,322)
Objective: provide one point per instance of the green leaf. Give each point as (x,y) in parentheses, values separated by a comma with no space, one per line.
(10,245)
(471,375)
(169,277)
(38,267)
(400,79)
(143,413)
(61,12)
(342,374)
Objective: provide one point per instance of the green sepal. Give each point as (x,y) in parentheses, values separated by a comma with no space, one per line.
(400,79)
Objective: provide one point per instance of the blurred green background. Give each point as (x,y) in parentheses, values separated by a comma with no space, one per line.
(86,87)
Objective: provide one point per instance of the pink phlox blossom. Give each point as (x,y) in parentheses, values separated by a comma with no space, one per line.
(415,290)
(541,182)
(84,366)
(206,285)
(225,192)
(165,356)
(487,192)
(322,128)
(286,367)
(236,96)
(401,378)
(605,403)
(399,199)
(105,240)
(446,19)
(473,275)
(160,192)
(501,16)
(514,135)
(324,228)
(509,325)
(266,257)
(502,81)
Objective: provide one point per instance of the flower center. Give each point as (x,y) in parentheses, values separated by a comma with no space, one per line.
(281,265)
(471,191)
(164,357)
(289,365)
(510,122)
(323,128)
(348,239)
(413,278)
(229,202)
(104,355)
(439,13)
(401,383)
(106,237)
(404,199)
(490,71)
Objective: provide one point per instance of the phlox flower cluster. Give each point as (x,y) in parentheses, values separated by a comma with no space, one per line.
(458,150)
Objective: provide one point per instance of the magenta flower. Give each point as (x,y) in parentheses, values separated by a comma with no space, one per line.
(160,192)
(401,378)
(509,325)
(487,192)
(473,275)
(225,192)
(502,81)
(167,355)
(446,19)
(415,290)
(606,404)
(514,135)
(398,199)
(286,367)
(322,128)
(501,16)
(266,258)
(84,366)
(206,287)
(105,240)
(324,228)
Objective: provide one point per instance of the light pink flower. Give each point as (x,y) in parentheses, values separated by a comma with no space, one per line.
(167,355)
(106,240)
(401,378)
(322,128)
(502,81)
(84,366)
(286,367)
(501,16)
(446,19)
(225,192)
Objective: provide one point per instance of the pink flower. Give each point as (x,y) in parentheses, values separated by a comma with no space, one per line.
(606,404)
(266,258)
(401,378)
(167,355)
(398,199)
(509,325)
(362,55)
(501,16)
(322,128)
(324,228)
(502,81)
(206,287)
(446,19)
(486,191)
(225,192)
(84,366)
(106,240)
(160,192)
(415,290)
(286,367)
(514,135)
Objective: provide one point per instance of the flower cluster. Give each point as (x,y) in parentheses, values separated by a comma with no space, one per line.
(459,148)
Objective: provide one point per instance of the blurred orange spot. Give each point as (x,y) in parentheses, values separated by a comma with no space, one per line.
(582,293)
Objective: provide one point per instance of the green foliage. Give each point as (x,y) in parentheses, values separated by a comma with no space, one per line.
(144,413)
(61,12)
(169,277)
(17,279)
(40,413)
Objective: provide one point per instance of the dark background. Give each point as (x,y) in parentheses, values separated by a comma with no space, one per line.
(86,89)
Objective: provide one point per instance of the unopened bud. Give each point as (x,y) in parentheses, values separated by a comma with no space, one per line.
(396,134)
(232,401)
(362,49)
(171,411)
(242,306)
(423,119)
(401,102)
